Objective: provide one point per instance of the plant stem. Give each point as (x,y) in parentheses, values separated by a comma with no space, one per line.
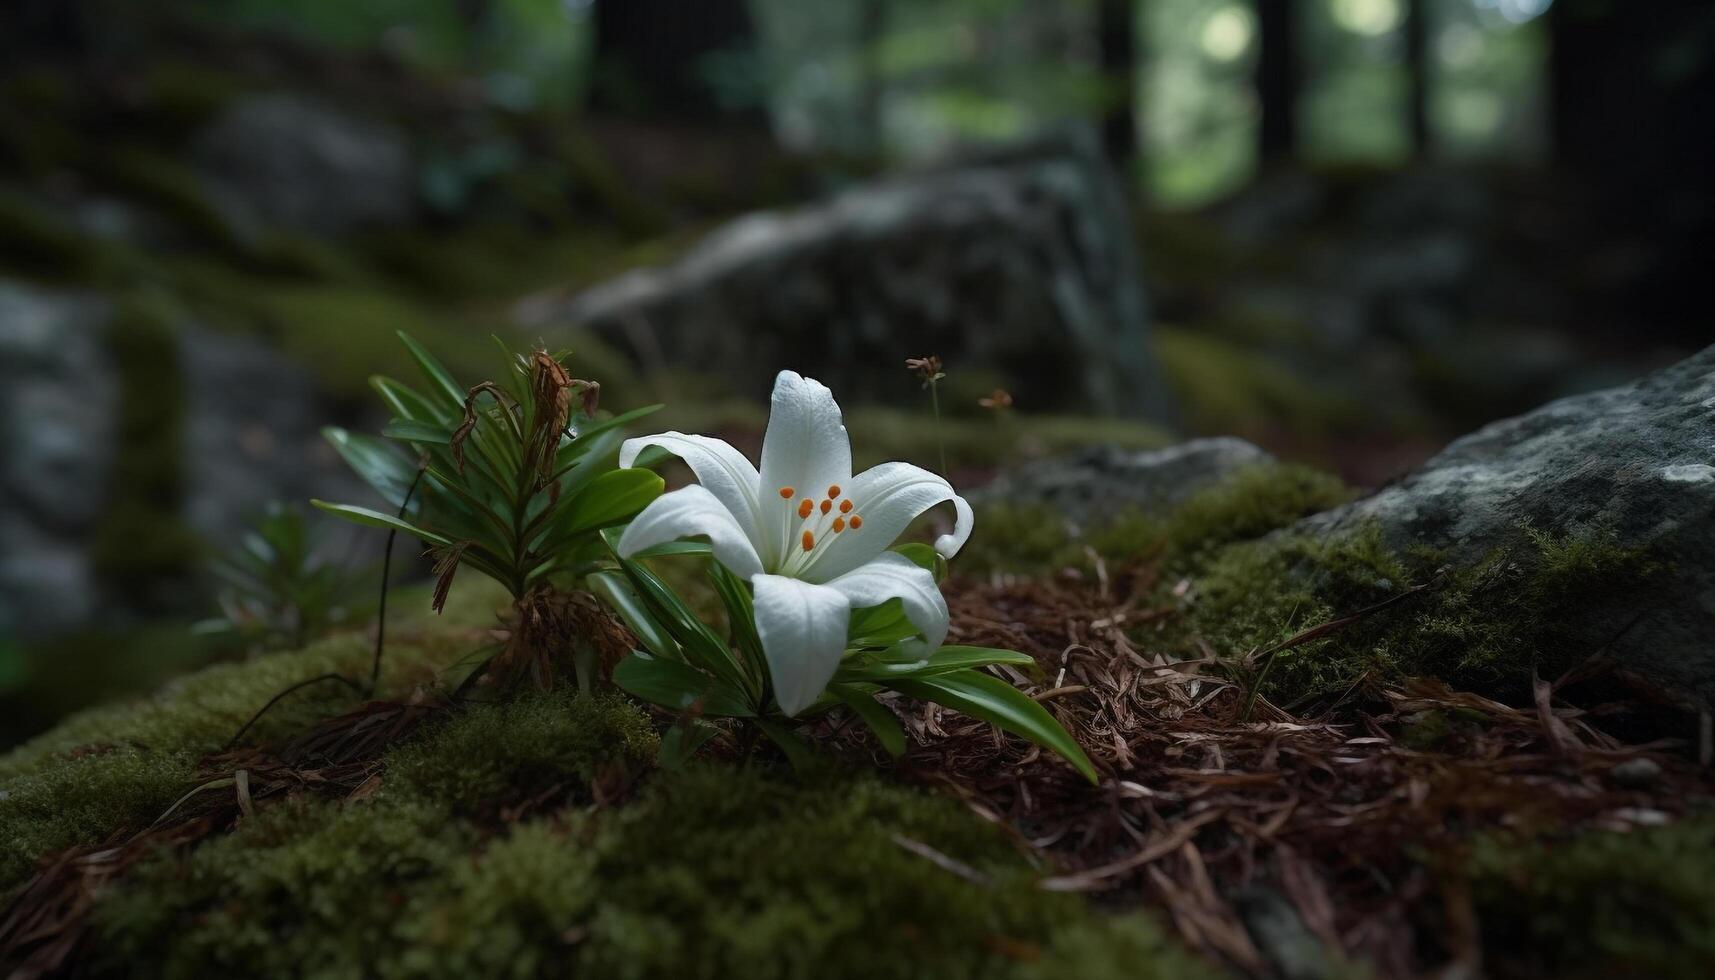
(935,406)
(386,577)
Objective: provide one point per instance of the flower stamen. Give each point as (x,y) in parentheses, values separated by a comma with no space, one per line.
(827,505)
(857,522)
(786,493)
(805,508)
(839,524)
(833,491)
(846,506)
(809,541)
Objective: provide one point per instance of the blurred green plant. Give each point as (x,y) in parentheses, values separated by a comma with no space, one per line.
(516,477)
(277,591)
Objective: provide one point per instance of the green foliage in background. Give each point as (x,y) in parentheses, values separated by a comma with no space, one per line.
(277,591)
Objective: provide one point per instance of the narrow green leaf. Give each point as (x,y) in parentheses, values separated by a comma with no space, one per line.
(741,616)
(679,687)
(681,742)
(613,587)
(908,660)
(608,499)
(798,753)
(410,430)
(379,463)
(440,379)
(408,403)
(387,522)
(995,701)
(674,549)
(884,723)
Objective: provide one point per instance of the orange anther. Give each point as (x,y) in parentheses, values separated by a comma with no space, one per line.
(833,491)
(827,505)
(857,522)
(839,524)
(809,541)
(806,507)
(845,506)
(786,493)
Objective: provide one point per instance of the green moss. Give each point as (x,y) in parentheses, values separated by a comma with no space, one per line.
(171,188)
(142,549)
(487,755)
(1248,504)
(720,872)
(1226,387)
(38,244)
(1485,626)
(109,769)
(1601,904)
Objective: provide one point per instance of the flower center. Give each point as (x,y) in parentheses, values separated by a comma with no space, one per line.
(818,524)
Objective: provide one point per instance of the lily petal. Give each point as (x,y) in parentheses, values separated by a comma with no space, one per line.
(888,498)
(690,512)
(803,633)
(891,575)
(805,448)
(721,469)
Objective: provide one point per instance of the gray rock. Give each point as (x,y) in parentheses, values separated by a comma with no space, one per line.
(281,160)
(1638,773)
(1021,266)
(58,407)
(1637,460)
(252,436)
(1106,481)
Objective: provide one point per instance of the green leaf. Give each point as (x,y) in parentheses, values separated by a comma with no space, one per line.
(682,741)
(879,627)
(702,646)
(679,687)
(441,381)
(609,499)
(798,752)
(673,549)
(884,723)
(387,522)
(614,588)
(406,402)
(741,617)
(410,430)
(924,557)
(379,463)
(907,660)
(998,703)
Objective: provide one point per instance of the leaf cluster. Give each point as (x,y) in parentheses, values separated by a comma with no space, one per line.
(510,477)
(687,667)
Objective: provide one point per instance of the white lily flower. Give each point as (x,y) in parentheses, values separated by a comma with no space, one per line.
(811,538)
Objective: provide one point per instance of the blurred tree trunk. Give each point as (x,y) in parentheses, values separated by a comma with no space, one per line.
(1117,29)
(1631,91)
(1277,79)
(1418,77)
(652,59)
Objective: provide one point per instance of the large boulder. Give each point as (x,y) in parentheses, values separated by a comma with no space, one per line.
(1022,266)
(1636,461)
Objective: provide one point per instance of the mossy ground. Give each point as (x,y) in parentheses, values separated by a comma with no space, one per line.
(1639,904)
(530,837)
